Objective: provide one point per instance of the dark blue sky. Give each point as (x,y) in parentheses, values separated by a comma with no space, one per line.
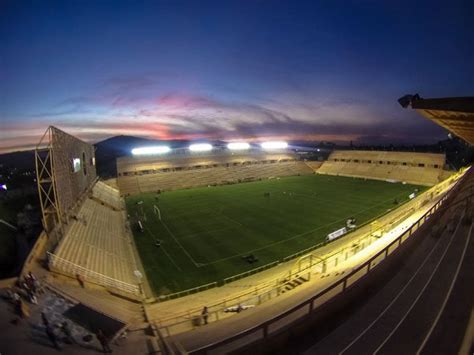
(329,70)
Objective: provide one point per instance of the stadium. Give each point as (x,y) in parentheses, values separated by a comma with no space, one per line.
(239,246)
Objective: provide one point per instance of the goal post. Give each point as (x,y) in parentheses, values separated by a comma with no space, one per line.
(157,211)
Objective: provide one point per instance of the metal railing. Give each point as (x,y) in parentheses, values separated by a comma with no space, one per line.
(187,292)
(63,265)
(250,272)
(273,288)
(362,242)
(271,326)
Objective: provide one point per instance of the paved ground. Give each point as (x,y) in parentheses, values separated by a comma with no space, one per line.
(28,335)
(425,308)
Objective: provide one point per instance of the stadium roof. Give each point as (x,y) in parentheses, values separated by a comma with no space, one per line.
(456,114)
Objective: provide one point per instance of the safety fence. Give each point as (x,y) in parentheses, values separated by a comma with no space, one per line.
(59,264)
(279,322)
(187,292)
(361,243)
(306,265)
(271,288)
(250,272)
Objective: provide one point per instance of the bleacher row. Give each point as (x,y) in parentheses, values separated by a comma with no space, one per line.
(209,176)
(127,166)
(106,194)
(418,169)
(98,241)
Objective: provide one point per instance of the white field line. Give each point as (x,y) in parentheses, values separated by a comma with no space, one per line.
(169,257)
(194,235)
(196,264)
(292,237)
(164,250)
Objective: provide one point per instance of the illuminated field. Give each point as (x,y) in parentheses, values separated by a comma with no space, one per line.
(205,232)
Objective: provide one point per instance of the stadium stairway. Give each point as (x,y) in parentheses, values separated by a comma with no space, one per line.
(294,282)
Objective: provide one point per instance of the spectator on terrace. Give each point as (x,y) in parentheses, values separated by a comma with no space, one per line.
(80,279)
(44,319)
(205,314)
(31,276)
(38,287)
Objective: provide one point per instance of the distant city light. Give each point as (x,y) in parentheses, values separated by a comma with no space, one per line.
(200,147)
(274,145)
(160,149)
(4,187)
(238,146)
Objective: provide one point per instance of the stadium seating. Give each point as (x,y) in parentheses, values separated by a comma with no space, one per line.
(97,240)
(181,179)
(106,194)
(414,168)
(314,165)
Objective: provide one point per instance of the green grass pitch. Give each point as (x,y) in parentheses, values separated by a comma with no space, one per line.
(204,232)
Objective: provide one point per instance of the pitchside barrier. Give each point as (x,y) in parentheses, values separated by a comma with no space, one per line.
(188,292)
(329,260)
(250,272)
(270,327)
(59,264)
(269,290)
(345,252)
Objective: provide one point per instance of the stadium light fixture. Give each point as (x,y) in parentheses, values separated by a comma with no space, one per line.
(200,147)
(4,187)
(274,145)
(238,146)
(160,149)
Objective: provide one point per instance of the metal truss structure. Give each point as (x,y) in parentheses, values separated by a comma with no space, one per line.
(45,179)
(60,186)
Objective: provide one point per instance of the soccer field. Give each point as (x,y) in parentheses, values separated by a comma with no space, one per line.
(204,232)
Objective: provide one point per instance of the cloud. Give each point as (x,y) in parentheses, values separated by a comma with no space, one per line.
(134,106)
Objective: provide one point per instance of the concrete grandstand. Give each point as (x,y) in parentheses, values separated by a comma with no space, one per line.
(142,174)
(89,235)
(416,168)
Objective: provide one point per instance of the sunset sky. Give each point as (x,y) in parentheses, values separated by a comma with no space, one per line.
(247,69)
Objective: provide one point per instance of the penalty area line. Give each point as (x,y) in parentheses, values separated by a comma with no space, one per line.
(164,250)
(299,235)
(196,264)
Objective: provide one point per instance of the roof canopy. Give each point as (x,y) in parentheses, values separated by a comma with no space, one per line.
(456,114)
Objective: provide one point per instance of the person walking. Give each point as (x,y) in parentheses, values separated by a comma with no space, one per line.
(44,319)
(80,279)
(205,314)
(103,341)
